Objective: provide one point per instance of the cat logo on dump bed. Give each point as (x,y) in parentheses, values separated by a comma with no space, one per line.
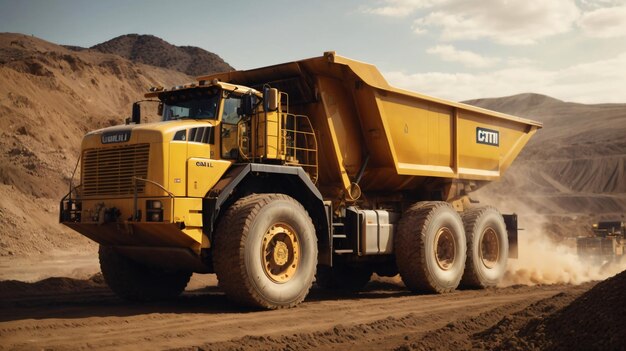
(487,136)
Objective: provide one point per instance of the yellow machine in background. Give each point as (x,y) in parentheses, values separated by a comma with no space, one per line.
(272,176)
(607,243)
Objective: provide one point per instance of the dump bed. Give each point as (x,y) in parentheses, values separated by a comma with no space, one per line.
(395,139)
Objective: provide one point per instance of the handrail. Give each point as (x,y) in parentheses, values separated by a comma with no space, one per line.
(298,141)
(68,198)
(73,174)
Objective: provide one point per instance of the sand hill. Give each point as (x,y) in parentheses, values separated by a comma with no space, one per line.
(50,97)
(155,51)
(594,321)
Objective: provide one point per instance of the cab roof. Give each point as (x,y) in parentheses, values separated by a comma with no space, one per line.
(158,92)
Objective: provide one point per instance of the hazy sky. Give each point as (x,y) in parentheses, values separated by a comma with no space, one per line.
(574,50)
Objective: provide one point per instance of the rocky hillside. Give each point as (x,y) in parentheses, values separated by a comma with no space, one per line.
(154,51)
(50,97)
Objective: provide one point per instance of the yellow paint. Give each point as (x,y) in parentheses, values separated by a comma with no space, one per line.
(197,235)
(420,135)
(341,122)
(176,177)
(203,174)
(188,211)
(267,131)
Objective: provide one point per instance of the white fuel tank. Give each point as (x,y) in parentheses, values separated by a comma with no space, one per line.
(377,229)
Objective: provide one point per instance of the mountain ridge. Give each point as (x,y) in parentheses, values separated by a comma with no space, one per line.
(152,50)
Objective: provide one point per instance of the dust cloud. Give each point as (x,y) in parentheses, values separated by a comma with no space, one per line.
(543,261)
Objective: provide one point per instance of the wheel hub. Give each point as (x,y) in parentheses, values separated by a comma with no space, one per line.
(489,248)
(445,248)
(280,252)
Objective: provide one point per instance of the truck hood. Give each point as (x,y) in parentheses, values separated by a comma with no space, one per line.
(157,132)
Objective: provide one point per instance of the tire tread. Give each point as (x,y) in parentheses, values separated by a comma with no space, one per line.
(230,239)
(410,247)
(471,279)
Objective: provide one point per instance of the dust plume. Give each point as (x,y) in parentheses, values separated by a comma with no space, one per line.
(544,261)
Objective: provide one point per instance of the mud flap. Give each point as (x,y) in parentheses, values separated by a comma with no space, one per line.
(510,220)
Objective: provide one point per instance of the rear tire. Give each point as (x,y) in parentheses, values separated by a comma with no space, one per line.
(265,251)
(134,281)
(487,248)
(430,247)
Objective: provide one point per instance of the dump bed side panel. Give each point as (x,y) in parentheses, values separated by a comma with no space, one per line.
(487,145)
(420,134)
(427,138)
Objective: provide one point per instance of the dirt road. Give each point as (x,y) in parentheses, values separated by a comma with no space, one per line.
(71,314)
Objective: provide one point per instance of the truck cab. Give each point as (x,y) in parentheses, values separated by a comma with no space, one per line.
(145,187)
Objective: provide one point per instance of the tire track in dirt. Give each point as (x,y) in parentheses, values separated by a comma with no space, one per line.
(452,324)
(383,316)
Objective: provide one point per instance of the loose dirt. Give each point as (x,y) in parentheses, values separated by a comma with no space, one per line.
(70,314)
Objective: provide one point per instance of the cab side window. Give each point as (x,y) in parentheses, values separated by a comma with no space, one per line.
(230,115)
(230,119)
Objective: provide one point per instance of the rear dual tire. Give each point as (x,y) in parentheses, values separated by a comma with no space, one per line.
(437,250)
(487,248)
(431,247)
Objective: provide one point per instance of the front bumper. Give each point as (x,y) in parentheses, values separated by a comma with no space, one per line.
(110,221)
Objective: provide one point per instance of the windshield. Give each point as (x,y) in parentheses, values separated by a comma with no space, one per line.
(199,104)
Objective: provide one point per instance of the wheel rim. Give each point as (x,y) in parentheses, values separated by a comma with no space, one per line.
(445,248)
(489,248)
(280,252)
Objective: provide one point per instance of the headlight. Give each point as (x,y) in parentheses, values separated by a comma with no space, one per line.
(156,217)
(154,209)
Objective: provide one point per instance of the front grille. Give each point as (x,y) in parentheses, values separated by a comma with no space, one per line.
(110,171)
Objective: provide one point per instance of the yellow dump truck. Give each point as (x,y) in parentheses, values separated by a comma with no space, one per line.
(276,177)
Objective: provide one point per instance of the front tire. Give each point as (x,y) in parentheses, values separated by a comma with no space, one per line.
(487,248)
(265,251)
(430,247)
(134,281)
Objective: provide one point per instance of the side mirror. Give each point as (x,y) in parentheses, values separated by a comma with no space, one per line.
(271,98)
(136,116)
(247,104)
(160,109)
